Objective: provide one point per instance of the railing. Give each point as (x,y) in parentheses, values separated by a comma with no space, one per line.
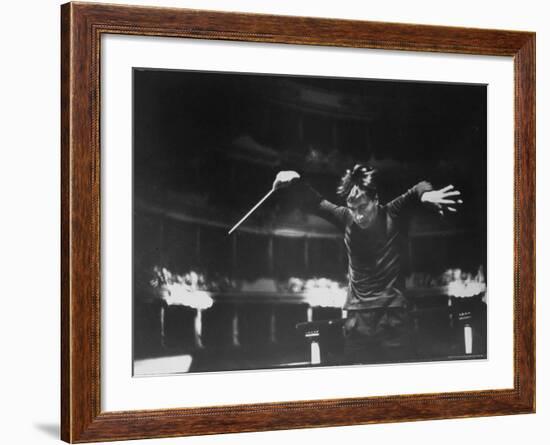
(235,303)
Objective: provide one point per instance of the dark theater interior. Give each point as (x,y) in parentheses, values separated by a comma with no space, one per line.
(207,147)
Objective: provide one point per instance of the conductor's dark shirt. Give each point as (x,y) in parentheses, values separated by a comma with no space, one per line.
(375,258)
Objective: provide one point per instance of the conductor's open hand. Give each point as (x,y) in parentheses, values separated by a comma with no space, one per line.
(445,199)
(284,178)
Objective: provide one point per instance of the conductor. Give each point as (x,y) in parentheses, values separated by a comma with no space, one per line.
(378,326)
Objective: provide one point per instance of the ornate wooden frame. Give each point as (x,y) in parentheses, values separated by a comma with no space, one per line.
(81,28)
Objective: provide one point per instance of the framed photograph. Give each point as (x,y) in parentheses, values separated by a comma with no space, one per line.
(274,222)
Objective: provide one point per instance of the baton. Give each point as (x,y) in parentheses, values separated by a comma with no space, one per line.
(268,194)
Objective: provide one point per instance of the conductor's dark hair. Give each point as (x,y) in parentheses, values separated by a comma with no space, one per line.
(363,176)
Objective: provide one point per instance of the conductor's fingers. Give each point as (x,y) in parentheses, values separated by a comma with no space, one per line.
(453,193)
(451,209)
(450,201)
(449,187)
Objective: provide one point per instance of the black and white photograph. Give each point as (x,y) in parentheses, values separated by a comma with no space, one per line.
(240,222)
(284,221)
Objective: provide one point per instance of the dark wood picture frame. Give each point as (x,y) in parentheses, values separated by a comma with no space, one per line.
(82,25)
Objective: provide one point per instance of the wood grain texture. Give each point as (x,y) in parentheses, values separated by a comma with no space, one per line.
(524,224)
(65,227)
(82,27)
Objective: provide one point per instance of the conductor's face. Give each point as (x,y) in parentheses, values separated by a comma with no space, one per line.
(364,209)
